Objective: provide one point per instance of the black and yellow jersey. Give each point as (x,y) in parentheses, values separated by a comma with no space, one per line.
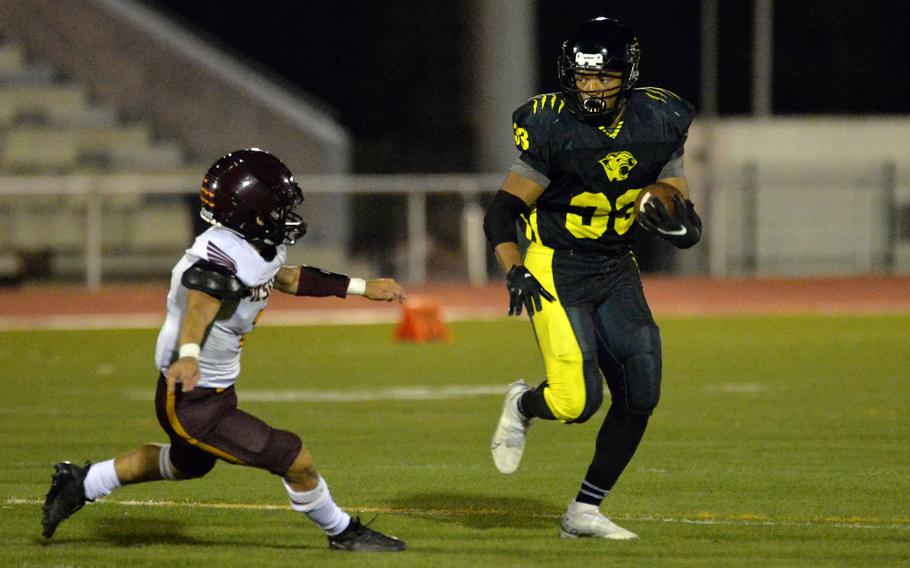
(592,174)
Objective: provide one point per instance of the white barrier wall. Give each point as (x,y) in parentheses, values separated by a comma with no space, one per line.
(803,196)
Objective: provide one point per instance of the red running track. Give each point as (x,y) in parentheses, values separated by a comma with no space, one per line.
(666,295)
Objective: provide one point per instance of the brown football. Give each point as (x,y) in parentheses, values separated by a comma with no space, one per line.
(662,191)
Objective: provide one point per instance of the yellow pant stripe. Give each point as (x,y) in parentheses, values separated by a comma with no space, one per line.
(561,353)
(171,407)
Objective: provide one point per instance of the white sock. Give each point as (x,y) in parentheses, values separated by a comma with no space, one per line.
(318,506)
(101,480)
(165,467)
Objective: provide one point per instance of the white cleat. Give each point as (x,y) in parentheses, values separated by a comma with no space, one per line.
(583,520)
(509,438)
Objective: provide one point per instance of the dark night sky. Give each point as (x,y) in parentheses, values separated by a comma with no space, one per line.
(396,72)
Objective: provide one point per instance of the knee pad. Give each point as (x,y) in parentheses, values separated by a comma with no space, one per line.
(188,461)
(280,452)
(643,383)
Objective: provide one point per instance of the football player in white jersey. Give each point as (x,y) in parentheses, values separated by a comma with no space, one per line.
(217,291)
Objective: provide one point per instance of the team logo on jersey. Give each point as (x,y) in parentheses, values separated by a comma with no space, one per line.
(260,293)
(618,165)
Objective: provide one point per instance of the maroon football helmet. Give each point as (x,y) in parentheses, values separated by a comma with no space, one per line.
(253,193)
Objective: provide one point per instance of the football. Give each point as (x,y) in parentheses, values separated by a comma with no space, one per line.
(664,192)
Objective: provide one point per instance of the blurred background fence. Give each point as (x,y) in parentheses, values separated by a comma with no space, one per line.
(764,219)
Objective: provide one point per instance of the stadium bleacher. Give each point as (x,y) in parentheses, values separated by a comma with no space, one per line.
(50,126)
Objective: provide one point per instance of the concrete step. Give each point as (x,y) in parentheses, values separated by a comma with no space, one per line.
(37,74)
(51,103)
(12,58)
(129,223)
(162,155)
(28,148)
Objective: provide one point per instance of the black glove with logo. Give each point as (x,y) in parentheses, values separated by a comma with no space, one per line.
(525,291)
(682,230)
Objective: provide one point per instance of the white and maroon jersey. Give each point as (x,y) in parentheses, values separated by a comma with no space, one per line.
(219,361)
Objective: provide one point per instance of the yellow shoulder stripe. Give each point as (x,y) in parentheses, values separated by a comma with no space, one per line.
(662,95)
(541,102)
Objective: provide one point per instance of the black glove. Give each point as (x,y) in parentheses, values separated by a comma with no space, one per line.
(682,230)
(525,290)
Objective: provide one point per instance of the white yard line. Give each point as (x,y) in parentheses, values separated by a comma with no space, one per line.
(416,392)
(700,519)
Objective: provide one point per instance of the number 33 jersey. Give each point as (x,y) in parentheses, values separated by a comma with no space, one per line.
(592,174)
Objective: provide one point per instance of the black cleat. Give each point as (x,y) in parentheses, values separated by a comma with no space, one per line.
(67,495)
(361,538)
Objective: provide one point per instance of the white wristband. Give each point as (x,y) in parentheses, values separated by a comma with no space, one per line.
(189,350)
(357,286)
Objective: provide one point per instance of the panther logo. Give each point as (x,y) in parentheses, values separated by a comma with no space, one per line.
(618,165)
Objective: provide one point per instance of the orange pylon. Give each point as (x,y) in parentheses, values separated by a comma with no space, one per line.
(421,322)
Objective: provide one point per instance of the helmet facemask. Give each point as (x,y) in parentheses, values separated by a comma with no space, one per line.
(280,225)
(287,225)
(294,228)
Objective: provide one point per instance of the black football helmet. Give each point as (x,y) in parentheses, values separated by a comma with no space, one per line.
(601,44)
(253,193)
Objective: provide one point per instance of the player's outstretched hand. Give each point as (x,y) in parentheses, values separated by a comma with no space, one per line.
(682,230)
(385,289)
(184,371)
(525,291)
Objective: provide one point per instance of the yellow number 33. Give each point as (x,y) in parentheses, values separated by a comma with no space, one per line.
(521,137)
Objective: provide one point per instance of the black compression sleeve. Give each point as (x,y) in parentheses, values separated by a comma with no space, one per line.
(499,222)
(317,282)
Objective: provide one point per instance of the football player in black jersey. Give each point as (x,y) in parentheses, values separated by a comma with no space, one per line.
(586,153)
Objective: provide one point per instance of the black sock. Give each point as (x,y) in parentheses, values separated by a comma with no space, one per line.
(533,405)
(616,444)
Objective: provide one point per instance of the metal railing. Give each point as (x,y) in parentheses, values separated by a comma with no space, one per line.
(768,220)
(95,188)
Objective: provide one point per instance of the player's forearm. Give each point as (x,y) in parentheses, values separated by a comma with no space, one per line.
(287,279)
(311,281)
(200,313)
(508,205)
(193,329)
(508,255)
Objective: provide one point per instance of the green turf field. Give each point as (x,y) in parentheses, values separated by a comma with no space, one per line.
(778,442)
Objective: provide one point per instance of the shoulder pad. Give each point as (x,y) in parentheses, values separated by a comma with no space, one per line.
(540,111)
(214,280)
(667,100)
(532,120)
(547,105)
(673,110)
(660,95)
